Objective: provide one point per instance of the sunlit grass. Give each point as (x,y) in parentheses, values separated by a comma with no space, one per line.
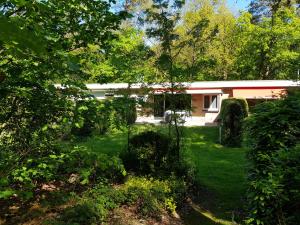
(219,169)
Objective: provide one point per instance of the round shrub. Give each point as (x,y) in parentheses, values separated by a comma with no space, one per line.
(232,114)
(147,152)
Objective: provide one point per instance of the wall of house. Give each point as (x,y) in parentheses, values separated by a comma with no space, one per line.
(260,93)
(228,92)
(197,105)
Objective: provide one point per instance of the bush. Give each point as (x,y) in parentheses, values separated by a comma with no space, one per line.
(125,111)
(90,116)
(153,195)
(272,133)
(232,114)
(76,167)
(148,152)
(93,207)
(81,214)
(93,116)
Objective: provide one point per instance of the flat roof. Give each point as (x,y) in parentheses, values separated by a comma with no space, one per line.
(200,84)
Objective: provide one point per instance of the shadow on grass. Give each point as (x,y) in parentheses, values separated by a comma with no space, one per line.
(221,170)
(198,215)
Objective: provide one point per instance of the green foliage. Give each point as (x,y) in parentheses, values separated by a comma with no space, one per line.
(274,124)
(125,111)
(41,44)
(92,207)
(77,167)
(273,132)
(148,152)
(216,45)
(269,48)
(91,116)
(150,196)
(153,195)
(126,59)
(233,112)
(208,29)
(81,214)
(274,193)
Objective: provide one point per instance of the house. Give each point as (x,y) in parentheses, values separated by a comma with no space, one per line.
(203,98)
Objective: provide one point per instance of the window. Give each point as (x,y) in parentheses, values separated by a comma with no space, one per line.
(210,102)
(214,102)
(162,103)
(181,101)
(206,101)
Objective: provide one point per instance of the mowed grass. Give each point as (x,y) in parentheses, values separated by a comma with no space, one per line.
(220,171)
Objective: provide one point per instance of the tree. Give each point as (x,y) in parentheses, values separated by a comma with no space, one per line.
(270,48)
(126,59)
(32,108)
(162,19)
(268,8)
(208,29)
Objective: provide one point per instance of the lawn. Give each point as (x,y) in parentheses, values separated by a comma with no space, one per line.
(219,170)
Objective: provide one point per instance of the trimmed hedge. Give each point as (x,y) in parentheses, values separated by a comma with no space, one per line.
(233,112)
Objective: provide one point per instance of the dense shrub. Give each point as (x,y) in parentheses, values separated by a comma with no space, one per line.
(272,133)
(148,152)
(125,110)
(91,116)
(153,195)
(31,118)
(80,214)
(232,114)
(76,167)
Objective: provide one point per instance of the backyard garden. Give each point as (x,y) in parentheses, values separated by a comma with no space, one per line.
(70,158)
(215,198)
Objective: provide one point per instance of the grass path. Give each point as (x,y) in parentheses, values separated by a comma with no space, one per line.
(220,170)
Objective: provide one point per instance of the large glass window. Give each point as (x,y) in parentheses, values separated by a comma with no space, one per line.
(206,101)
(180,101)
(163,102)
(214,102)
(210,102)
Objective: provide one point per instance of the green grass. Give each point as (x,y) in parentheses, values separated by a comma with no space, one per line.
(110,144)
(219,170)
